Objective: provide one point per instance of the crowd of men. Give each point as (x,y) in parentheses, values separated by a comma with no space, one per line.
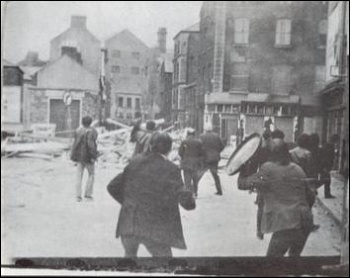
(151,188)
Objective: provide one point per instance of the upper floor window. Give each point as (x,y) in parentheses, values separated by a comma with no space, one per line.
(322,32)
(120,102)
(137,103)
(241,30)
(129,102)
(283,32)
(135,70)
(116,53)
(116,69)
(136,55)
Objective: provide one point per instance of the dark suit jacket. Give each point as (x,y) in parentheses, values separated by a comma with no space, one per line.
(285,196)
(149,190)
(191,153)
(84,148)
(212,145)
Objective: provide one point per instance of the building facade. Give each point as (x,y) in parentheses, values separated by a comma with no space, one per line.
(165,87)
(79,43)
(186,44)
(46,101)
(127,56)
(336,93)
(12,104)
(261,65)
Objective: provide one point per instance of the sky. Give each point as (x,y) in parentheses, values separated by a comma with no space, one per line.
(29,26)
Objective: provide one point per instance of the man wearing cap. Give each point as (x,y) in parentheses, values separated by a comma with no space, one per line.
(192,154)
(150,190)
(213,146)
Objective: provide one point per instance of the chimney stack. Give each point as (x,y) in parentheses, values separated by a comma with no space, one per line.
(162,34)
(78,21)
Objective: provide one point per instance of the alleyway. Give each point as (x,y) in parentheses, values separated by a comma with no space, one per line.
(42,218)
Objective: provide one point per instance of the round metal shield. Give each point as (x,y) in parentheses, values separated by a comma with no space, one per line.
(243,153)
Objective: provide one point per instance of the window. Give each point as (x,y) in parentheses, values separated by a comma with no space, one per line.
(241,31)
(183,48)
(136,55)
(116,53)
(129,102)
(283,32)
(137,103)
(120,102)
(135,70)
(228,108)
(116,69)
(320,78)
(322,32)
(219,108)
(121,116)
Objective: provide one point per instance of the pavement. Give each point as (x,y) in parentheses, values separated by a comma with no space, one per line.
(333,206)
(41,218)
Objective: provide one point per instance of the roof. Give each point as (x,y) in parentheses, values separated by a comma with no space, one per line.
(74,33)
(66,73)
(263,97)
(29,71)
(225,98)
(192,29)
(7,63)
(310,100)
(127,39)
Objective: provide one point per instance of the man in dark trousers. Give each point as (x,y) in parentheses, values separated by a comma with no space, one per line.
(192,155)
(84,152)
(328,155)
(150,190)
(285,193)
(213,146)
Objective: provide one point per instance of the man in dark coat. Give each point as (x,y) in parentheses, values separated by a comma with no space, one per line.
(142,137)
(84,152)
(213,146)
(150,190)
(285,191)
(192,155)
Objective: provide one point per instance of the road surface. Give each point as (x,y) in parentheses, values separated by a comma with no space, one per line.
(41,218)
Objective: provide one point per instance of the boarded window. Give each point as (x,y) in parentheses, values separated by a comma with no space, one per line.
(241,35)
(283,32)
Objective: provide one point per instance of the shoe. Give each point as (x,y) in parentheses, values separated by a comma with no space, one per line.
(90,199)
(329,197)
(79,199)
(218,193)
(314,228)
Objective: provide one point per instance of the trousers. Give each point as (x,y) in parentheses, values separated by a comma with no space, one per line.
(292,241)
(131,245)
(191,179)
(90,167)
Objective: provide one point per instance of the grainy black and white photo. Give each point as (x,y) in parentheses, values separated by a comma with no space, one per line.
(170,137)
